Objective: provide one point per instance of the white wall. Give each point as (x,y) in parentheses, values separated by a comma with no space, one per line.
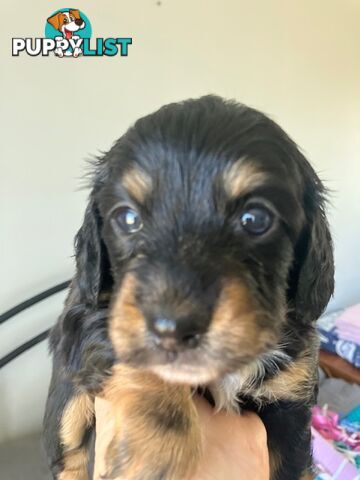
(298,61)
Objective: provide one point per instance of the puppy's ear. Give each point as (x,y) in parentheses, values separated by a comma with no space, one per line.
(55,20)
(93,269)
(76,13)
(314,256)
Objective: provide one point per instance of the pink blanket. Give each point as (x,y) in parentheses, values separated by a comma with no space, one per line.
(348,324)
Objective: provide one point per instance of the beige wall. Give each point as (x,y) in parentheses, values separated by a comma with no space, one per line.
(296,60)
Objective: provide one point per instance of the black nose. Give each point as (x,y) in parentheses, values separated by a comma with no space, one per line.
(172,334)
(78,22)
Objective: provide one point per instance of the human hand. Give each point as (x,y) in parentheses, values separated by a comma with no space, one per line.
(234,446)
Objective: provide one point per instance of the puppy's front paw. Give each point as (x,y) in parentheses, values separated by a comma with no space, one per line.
(160,455)
(156,434)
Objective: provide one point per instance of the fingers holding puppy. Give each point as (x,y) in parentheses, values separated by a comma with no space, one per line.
(235,446)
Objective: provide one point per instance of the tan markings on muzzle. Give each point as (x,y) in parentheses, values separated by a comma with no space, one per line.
(137,183)
(77,417)
(127,326)
(156,432)
(242,177)
(235,325)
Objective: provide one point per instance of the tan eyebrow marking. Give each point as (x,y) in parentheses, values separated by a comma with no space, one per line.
(137,183)
(241,177)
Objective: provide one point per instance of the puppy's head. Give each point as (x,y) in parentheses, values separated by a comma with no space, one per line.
(67,22)
(207,224)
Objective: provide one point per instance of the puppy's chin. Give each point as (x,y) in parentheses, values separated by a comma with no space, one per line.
(185,374)
(186,368)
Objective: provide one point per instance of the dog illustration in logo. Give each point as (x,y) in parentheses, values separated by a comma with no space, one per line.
(67,23)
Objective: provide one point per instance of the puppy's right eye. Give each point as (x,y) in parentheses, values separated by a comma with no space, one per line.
(128,219)
(65,20)
(256,220)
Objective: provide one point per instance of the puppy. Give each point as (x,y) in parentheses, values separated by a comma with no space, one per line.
(67,23)
(203,261)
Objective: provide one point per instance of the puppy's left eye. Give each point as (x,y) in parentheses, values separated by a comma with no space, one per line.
(256,220)
(127,219)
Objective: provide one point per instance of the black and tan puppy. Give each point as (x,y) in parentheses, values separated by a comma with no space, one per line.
(204,260)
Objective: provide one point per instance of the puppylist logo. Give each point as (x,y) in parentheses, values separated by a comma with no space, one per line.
(68,34)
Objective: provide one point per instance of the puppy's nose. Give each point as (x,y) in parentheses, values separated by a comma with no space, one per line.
(172,334)
(78,22)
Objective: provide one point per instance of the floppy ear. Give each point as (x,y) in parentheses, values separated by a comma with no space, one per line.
(314,258)
(81,338)
(93,269)
(55,20)
(76,13)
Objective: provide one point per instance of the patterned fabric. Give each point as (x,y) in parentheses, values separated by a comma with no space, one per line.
(330,340)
